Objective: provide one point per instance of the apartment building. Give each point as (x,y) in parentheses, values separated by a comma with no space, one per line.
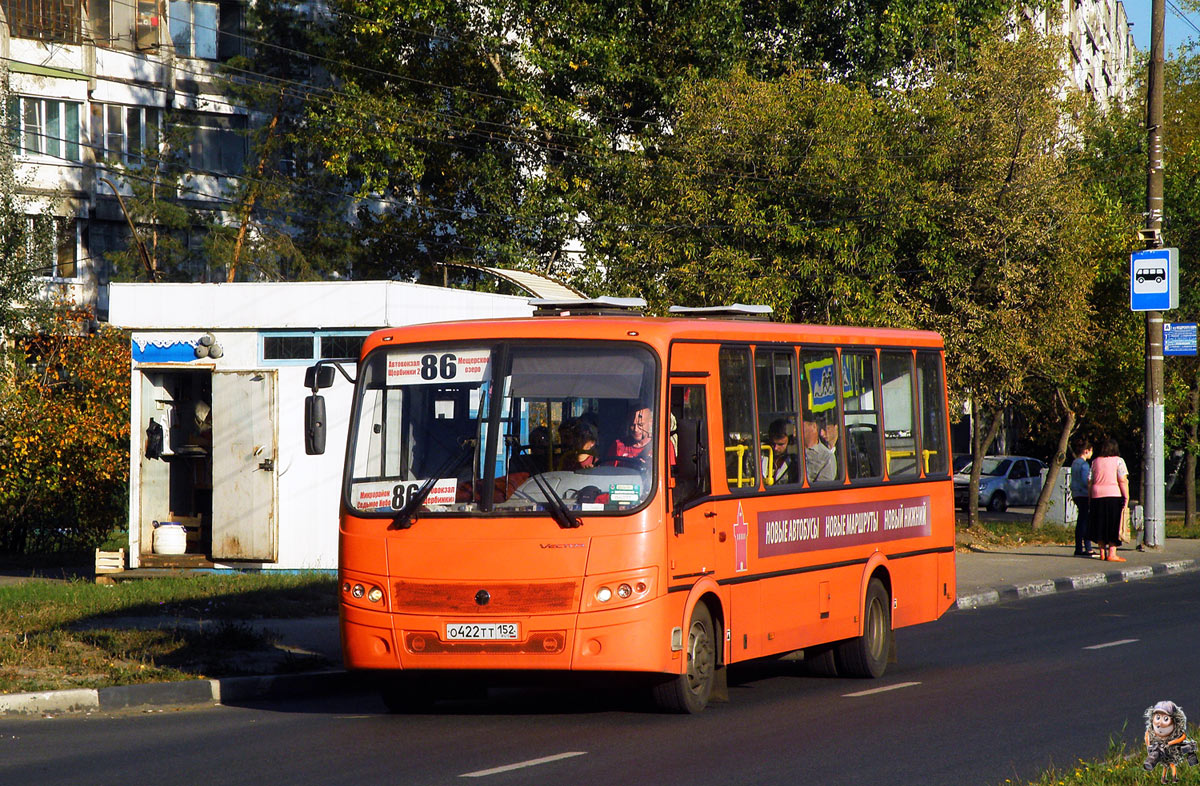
(90,84)
(1100,49)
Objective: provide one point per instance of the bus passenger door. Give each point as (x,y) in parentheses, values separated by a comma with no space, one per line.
(691,552)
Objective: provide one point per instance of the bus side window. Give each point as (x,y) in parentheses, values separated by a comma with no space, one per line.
(861,407)
(776,385)
(820,432)
(737,409)
(932,405)
(900,439)
(689,438)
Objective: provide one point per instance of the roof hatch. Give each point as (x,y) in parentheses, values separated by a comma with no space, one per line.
(734,311)
(590,307)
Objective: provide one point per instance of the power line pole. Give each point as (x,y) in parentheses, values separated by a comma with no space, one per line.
(1153,461)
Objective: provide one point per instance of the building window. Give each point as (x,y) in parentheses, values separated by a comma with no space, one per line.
(124,134)
(342,346)
(218,146)
(293,347)
(44,127)
(286,347)
(58,236)
(194,28)
(44,20)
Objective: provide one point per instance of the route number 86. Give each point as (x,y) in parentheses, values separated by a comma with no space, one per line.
(403,492)
(433,367)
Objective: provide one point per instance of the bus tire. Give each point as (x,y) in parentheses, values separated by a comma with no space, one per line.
(867,655)
(819,661)
(689,692)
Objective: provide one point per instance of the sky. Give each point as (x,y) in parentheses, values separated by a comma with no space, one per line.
(1175,28)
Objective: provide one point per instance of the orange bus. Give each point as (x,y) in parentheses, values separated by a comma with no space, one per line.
(592,490)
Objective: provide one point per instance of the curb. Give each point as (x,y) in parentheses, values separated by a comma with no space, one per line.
(231,690)
(225,690)
(1082,581)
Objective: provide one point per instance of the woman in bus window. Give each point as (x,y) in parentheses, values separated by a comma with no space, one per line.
(633,449)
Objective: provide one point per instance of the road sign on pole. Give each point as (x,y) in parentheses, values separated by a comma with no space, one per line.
(1154,279)
(1179,338)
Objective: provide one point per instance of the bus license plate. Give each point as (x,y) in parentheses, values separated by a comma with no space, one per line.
(482,631)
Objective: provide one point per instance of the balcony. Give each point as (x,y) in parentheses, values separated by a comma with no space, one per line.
(45,20)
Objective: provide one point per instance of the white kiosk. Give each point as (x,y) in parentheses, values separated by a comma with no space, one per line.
(217,410)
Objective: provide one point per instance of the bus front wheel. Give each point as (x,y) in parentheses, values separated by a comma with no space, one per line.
(689,692)
(867,655)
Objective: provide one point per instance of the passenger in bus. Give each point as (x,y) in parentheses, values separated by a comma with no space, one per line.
(633,449)
(537,457)
(578,440)
(780,464)
(820,462)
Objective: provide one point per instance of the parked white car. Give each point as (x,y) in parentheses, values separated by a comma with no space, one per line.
(1003,481)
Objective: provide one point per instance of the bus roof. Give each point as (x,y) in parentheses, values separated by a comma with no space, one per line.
(661,331)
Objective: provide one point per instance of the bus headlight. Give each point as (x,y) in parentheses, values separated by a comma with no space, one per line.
(619,590)
(362,591)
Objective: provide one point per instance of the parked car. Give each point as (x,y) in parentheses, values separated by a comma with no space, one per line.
(1003,481)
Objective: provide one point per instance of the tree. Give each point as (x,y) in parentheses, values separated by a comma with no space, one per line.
(64,436)
(1019,235)
(26,248)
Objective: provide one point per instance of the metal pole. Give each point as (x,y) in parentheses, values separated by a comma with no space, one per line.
(1153,470)
(137,239)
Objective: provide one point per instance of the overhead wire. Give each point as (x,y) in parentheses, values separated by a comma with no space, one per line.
(522,136)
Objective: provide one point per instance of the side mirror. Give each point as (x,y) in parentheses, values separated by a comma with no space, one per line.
(314,422)
(318,377)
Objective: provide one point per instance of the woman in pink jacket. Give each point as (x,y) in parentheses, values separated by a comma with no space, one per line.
(1108,489)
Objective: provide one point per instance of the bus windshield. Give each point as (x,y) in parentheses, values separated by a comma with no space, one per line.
(505,428)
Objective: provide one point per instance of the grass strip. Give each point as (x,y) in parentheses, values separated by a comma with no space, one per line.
(76,634)
(1121,765)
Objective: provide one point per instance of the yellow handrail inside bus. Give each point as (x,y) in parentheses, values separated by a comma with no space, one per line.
(889,453)
(741,479)
(768,471)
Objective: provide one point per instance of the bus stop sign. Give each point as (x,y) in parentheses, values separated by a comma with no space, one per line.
(1154,279)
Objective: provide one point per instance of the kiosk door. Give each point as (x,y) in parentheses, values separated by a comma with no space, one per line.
(245,524)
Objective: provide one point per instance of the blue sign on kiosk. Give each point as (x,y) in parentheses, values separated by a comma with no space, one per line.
(1154,279)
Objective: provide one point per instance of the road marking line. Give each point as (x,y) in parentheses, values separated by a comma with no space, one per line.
(1110,644)
(897,686)
(522,764)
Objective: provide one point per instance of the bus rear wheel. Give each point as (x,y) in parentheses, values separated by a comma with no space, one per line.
(689,692)
(867,655)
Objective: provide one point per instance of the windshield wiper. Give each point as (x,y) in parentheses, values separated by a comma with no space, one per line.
(407,514)
(558,509)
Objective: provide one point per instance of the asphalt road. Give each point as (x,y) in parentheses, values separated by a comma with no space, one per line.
(982,695)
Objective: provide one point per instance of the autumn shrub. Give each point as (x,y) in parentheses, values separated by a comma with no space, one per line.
(64,435)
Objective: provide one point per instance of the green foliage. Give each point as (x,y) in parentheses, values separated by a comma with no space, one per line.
(26,251)
(64,436)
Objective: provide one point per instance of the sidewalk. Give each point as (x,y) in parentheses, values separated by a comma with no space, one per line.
(984,578)
(995,574)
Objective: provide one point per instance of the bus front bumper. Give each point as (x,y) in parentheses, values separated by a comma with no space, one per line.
(634,638)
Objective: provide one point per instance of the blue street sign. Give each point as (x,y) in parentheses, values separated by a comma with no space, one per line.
(1154,279)
(1179,338)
